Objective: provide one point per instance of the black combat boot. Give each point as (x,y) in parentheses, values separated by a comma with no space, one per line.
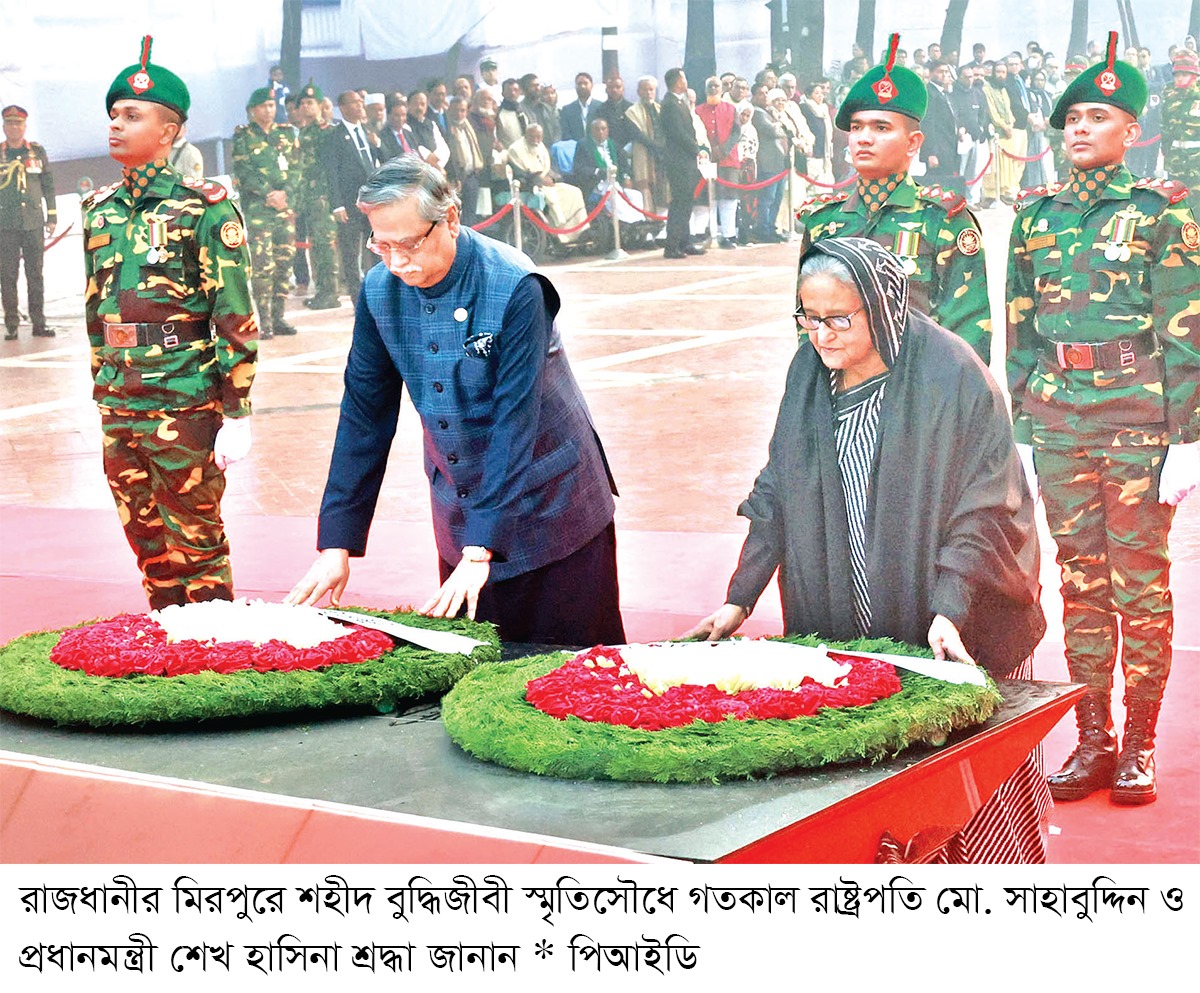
(1090,767)
(1134,781)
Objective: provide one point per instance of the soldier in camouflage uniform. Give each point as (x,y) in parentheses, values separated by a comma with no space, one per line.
(173,341)
(1181,123)
(312,200)
(264,169)
(1104,372)
(27,208)
(930,229)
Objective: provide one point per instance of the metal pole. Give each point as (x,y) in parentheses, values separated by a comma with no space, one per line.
(616,252)
(791,213)
(514,189)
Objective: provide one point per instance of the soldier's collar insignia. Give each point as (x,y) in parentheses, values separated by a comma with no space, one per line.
(140,81)
(884,88)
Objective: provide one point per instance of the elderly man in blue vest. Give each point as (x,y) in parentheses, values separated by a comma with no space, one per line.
(522,495)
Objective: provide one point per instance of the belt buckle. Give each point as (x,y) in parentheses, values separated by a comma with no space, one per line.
(120,335)
(1075,356)
(169,338)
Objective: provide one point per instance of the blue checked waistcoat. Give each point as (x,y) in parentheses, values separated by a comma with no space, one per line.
(513,461)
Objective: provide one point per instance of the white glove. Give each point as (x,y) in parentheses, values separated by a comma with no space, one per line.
(1025,454)
(1180,473)
(232,442)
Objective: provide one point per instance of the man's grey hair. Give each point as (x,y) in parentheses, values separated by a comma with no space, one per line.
(712,84)
(408,176)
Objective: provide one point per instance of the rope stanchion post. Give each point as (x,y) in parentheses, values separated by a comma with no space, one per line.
(514,189)
(617,253)
(790,233)
(712,211)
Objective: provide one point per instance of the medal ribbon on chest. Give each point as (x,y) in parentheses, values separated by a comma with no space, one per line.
(157,237)
(1124,228)
(905,247)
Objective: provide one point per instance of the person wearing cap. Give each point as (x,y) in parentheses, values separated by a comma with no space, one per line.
(28,215)
(521,495)
(376,109)
(489,73)
(1104,374)
(312,200)
(264,158)
(173,340)
(1180,113)
(931,229)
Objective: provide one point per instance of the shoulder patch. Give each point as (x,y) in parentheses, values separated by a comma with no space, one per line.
(1032,194)
(951,201)
(822,200)
(98,196)
(1173,190)
(969,242)
(212,192)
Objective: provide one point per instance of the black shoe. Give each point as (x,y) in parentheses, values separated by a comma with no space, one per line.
(283,329)
(322,303)
(1134,781)
(693,250)
(43,332)
(668,253)
(1091,766)
(10,334)
(727,243)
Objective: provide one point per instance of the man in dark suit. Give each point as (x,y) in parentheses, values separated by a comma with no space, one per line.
(576,117)
(940,149)
(397,137)
(521,494)
(349,156)
(680,153)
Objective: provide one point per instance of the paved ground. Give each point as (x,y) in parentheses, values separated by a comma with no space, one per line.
(683,366)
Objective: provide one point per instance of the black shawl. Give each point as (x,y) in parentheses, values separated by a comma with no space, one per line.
(950,526)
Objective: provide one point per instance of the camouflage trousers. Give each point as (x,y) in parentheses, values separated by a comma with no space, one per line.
(1103,511)
(272,236)
(1183,166)
(168,494)
(322,238)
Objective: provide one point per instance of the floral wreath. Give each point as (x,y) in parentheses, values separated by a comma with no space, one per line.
(488,716)
(31,684)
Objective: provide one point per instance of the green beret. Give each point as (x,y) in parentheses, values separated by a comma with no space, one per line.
(312,91)
(261,95)
(1115,83)
(154,84)
(885,87)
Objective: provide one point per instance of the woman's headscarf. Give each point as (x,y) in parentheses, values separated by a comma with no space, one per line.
(882,286)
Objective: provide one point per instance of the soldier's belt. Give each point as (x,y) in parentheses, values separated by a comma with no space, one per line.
(167,335)
(1104,354)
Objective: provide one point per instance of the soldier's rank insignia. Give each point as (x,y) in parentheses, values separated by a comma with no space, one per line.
(1191,234)
(968,241)
(232,235)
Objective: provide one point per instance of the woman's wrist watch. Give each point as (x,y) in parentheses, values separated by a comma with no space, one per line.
(476,553)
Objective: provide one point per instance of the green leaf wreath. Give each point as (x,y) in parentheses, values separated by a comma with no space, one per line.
(487,716)
(33,685)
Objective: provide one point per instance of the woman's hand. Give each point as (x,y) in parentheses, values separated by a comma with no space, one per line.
(946,642)
(720,624)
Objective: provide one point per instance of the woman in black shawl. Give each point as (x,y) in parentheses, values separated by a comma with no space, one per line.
(893,504)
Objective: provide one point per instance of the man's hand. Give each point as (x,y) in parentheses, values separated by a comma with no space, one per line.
(276,200)
(464,583)
(933,162)
(340,215)
(946,642)
(329,574)
(720,624)
(232,442)
(50,227)
(1180,473)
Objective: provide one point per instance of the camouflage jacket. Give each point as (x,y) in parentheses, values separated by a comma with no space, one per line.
(199,274)
(1124,267)
(26,184)
(313,180)
(936,237)
(1181,123)
(264,161)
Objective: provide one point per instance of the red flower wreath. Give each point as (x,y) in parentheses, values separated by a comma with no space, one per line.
(610,694)
(133,644)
